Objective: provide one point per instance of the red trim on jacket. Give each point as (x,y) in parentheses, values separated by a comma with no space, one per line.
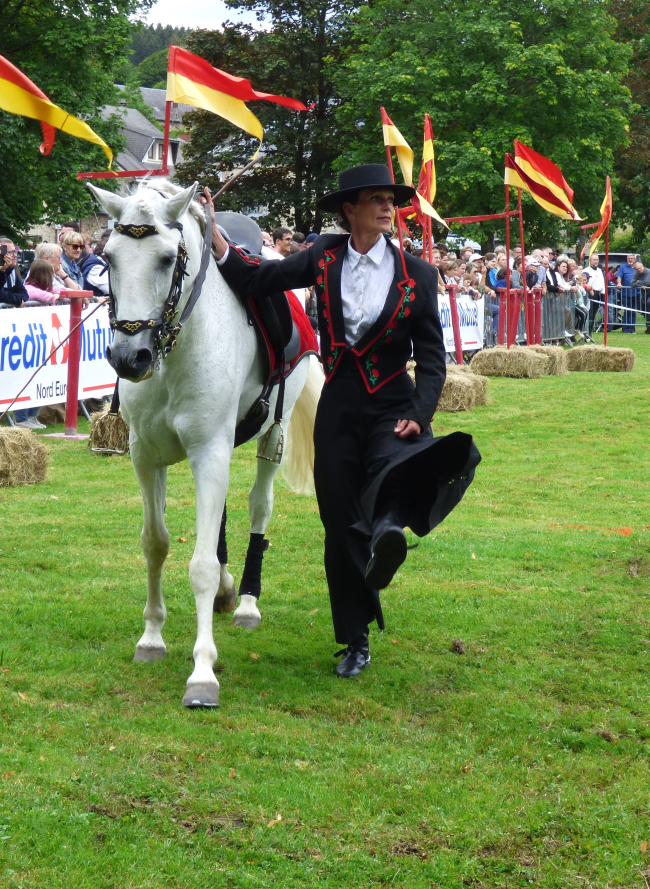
(377,385)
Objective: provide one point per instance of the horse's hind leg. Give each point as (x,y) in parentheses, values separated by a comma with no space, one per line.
(260,507)
(226,598)
(155,546)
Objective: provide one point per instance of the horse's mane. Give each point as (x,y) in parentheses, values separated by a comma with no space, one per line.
(165,187)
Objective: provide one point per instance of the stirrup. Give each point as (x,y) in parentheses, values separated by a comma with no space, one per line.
(264,442)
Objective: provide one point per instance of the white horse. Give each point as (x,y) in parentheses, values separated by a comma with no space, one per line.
(187,404)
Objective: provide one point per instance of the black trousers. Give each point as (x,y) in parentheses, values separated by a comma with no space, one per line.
(354,441)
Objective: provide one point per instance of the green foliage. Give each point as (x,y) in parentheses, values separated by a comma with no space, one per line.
(152,71)
(69,49)
(150,39)
(297,56)
(488,73)
(633,163)
(523,762)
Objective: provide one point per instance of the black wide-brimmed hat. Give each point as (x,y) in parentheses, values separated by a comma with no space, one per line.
(365,176)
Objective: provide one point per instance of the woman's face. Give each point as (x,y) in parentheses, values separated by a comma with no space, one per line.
(502,260)
(73,251)
(462,268)
(562,268)
(55,262)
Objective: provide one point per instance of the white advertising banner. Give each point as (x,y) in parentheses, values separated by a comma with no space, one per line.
(27,337)
(471,318)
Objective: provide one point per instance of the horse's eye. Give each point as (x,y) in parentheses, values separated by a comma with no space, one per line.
(168,260)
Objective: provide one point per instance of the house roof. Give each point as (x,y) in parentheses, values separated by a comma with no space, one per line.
(140,133)
(156,99)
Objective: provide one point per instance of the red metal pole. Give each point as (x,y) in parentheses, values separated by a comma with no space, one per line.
(455,323)
(606,283)
(523,261)
(76,298)
(504,309)
(168,117)
(537,303)
(389,161)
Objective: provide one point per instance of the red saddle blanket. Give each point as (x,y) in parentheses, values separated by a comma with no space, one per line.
(303,341)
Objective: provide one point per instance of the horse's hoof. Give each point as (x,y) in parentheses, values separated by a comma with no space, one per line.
(201,694)
(145,655)
(226,602)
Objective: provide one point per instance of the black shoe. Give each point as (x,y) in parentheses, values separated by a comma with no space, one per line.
(388,551)
(647,330)
(355,658)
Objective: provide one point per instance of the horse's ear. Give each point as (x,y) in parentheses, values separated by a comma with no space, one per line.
(110,201)
(176,206)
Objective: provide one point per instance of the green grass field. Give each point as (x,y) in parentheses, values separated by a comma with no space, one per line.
(521,762)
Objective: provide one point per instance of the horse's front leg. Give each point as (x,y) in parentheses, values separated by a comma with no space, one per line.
(260,508)
(155,546)
(210,467)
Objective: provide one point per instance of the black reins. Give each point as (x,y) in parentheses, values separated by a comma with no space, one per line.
(165,329)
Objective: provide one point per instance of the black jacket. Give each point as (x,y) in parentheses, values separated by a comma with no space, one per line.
(12,289)
(408,323)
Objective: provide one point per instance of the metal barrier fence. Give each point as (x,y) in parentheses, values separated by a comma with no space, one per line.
(557,322)
(636,300)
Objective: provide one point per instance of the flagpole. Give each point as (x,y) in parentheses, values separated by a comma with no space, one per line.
(168,117)
(507,305)
(523,262)
(430,230)
(392,179)
(606,284)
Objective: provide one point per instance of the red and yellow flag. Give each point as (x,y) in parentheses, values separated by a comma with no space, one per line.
(605,218)
(193,81)
(18,95)
(420,200)
(542,193)
(542,179)
(403,150)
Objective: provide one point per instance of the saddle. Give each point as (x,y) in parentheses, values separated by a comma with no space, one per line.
(283,331)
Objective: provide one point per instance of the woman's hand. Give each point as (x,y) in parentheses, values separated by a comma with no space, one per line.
(405,428)
(218,241)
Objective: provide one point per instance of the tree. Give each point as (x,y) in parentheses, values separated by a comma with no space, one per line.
(633,163)
(152,71)
(489,72)
(296,56)
(69,49)
(149,39)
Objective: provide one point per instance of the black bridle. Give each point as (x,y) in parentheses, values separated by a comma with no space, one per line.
(166,328)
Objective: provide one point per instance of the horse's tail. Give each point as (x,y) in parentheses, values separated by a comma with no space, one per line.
(298,465)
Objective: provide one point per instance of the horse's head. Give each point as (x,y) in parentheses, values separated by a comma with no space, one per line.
(147,259)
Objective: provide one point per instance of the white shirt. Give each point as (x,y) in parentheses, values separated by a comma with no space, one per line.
(596,278)
(365,282)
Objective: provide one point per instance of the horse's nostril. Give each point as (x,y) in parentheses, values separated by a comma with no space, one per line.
(108,352)
(143,356)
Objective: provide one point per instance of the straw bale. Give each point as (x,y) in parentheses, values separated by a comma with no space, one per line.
(109,433)
(519,362)
(479,382)
(557,356)
(23,458)
(601,359)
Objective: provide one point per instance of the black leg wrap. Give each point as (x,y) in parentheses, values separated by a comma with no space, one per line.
(222,546)
(251,582)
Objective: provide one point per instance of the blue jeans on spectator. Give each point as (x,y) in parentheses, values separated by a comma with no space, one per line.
(25,413)
(629,299)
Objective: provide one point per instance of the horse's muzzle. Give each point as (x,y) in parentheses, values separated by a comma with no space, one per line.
(131,357)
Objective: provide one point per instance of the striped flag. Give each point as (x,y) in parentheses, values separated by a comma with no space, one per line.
(420,201)
(403,150)
(193,81)
(545,192)
(605,217)
(427,185)
(18,95)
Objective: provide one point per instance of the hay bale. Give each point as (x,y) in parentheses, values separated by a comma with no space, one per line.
(600,359)
(557,356)
(519,362)
(480,383)
(109,433)
(23,458)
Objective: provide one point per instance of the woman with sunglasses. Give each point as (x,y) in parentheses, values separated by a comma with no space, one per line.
(73,244)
